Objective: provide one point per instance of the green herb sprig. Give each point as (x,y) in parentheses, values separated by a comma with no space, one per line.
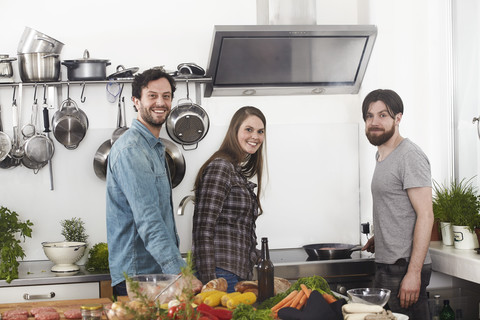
(11,228)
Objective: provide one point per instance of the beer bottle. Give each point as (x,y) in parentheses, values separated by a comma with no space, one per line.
(265,273)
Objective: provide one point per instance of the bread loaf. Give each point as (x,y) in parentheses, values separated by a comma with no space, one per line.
(279,285)
(219,284)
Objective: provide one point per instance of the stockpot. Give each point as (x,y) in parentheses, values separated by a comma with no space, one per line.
(33,41)
(70,124)
(86,68)
(39,67)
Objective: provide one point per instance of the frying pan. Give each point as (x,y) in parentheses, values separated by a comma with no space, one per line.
(330,251)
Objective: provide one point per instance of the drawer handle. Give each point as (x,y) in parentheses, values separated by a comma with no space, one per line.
(27,296)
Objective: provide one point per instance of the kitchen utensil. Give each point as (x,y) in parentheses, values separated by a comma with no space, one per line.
(175,162)
(121,122)
(5,141)
(123,73)
(190,69)
(100,160)
(35,41)
(39,67)
(17,151)
(187,123)
(64,254)
(183,204)
(69,123)
(330,251)
(86,68)
(372,296)
(6,70)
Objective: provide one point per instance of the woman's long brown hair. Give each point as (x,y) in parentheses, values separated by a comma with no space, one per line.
(230,150)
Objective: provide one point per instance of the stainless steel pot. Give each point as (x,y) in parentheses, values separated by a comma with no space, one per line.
(187,123)
(69,124)
(6,70)
(35,41)
(5,141)
(330,251)
(86,68)
(39,67)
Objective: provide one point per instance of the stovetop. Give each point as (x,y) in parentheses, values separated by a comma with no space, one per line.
(298,255)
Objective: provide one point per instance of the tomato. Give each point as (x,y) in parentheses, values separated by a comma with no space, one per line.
(172,312)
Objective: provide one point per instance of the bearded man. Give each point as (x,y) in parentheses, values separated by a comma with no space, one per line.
(141,233)
(402,207)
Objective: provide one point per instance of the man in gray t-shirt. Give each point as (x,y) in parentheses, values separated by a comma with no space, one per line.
(402,207)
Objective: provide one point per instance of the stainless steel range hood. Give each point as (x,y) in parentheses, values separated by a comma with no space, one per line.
(288,59)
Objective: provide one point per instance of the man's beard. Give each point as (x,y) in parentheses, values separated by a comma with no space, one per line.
(146,116)
(378,140)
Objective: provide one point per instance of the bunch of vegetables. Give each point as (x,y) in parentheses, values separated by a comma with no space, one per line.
(98,258)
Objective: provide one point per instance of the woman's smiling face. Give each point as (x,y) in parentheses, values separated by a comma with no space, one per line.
(251,134)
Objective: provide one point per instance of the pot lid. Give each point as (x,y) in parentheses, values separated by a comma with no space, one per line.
(86,58)
(123,73)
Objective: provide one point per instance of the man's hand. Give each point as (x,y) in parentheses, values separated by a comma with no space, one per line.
(370,245)
(409,289)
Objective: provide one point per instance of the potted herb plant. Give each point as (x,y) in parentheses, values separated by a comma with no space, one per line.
(458,204)
(11,228)
(74,230)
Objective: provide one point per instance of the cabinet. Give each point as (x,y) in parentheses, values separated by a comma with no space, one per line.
(53,292)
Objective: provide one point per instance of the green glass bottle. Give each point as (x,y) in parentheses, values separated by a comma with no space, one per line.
(447,311)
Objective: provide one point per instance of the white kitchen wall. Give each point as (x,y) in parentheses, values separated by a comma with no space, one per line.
(324,133)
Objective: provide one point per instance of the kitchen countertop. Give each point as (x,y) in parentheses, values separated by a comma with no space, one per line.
(289,263)
(460,263)
(38,273)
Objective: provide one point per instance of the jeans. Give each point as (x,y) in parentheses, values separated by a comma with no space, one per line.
(389,276)
(231,278)
(120,289)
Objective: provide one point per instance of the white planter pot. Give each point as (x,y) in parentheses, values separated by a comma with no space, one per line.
(447,233)
(464,238)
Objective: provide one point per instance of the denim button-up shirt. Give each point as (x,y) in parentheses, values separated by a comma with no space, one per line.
(141,232)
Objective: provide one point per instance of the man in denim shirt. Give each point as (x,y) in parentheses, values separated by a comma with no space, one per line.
(141,232)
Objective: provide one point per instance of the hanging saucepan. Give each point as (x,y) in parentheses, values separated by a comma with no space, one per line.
(187,123)
(100,160)
(175,162)
(121,122)
(330,251)
(69,124)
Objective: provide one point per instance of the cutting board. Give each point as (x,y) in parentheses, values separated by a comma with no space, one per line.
(60,305)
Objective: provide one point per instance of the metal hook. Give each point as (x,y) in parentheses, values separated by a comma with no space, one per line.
(68,90)
(35,94)
(82,98)
(120,92)
(188,91)
(477,120)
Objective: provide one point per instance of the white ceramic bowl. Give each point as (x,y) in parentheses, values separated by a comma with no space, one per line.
(375,296)
(152,284)
(64,254)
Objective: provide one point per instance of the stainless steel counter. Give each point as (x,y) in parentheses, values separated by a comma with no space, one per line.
(38,273)
(289,264)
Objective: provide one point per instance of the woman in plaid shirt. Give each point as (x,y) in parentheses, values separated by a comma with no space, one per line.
(226,206)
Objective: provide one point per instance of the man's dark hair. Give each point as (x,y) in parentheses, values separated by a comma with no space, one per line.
(391,99)
(141,80)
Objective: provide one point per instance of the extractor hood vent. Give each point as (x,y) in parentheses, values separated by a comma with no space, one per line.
(289,59)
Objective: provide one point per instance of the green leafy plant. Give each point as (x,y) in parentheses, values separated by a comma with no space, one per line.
(98,258)
(457,203)
(74,230)
(11,228)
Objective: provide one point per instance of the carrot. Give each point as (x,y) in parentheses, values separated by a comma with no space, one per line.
(306,290)
(328,297)
(284,301)
(302,302)
(297,299)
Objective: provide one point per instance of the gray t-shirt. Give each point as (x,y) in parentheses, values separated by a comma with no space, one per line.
(393,215)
